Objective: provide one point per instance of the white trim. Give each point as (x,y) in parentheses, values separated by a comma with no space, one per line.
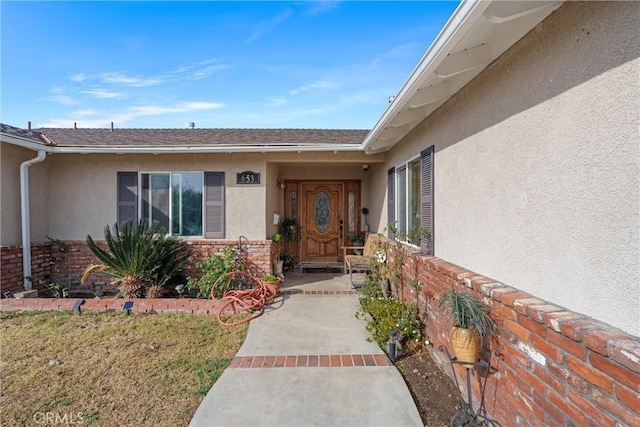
(178,149)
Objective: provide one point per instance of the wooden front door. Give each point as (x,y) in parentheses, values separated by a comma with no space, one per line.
(322,213)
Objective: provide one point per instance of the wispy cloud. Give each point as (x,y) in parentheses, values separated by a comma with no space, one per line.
(84,113)
(320,7)
(320,84)
(59,96)
(276,101)
(269,24)
(400,51)
(103,119)
(78,78)
(127,80)
(62,99)
(183,107)
(200,70)
(102,93)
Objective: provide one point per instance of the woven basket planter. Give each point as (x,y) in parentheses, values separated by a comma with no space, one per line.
(466,344)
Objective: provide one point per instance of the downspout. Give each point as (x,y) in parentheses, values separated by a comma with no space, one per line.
(24,211)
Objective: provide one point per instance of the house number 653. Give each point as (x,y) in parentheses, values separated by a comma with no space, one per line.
(248,177)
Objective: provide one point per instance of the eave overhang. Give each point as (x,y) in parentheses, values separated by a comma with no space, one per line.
(478,32)
(178,149)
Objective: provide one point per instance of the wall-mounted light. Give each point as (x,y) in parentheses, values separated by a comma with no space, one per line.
(280,184)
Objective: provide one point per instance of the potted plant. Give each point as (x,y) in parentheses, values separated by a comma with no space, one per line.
(365,212)
(471,326)
(287,261)
(273,285)
(278,263)
(290,229)
(357,240)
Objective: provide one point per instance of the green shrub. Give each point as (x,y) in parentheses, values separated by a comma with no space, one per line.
(370,291)
(389,314)
(212,269)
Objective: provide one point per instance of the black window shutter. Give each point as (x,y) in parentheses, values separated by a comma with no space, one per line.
(391,191)
(214,205)
(127,197)
(426,199)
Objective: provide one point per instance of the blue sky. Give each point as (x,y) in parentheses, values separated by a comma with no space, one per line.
(219,64)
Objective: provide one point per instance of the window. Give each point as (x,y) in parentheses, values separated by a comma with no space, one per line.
(184,203)
(410,200)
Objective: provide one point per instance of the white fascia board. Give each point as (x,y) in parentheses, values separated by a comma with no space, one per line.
(458,25)
(23,142)
(189,149)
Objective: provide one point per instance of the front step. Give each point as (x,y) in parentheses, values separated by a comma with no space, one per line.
(322,267)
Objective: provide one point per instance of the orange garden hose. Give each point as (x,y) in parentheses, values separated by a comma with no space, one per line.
(252,299)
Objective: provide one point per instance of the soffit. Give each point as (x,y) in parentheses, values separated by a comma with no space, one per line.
(477,33)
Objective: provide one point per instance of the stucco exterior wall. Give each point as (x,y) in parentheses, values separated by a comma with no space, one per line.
(11,157)
(81,189)
(537,165)
(273,199)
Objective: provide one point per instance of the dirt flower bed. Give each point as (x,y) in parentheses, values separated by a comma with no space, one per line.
(433,391)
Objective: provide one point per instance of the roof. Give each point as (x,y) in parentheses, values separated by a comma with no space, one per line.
(78,140)
(12,132)
(201,137)
(478,32)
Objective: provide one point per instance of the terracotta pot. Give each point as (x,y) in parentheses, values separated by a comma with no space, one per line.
(466,344)
(273,289)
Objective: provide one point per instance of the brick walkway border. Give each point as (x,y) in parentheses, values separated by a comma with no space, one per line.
(309,361)
(301,292)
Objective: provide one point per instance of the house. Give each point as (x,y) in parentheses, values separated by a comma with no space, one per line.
(210,186)
(514,142)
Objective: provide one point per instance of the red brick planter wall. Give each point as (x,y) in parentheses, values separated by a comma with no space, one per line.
(553,366)
(140,305)
(50,265)
(11,278)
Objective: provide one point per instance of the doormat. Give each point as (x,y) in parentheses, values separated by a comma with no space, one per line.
(322,269)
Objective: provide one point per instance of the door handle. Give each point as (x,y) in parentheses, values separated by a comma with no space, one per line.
(341,229)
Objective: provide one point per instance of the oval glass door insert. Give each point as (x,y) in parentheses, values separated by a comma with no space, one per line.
(322,211)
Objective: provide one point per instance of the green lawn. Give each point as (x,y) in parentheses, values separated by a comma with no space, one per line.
(109,369)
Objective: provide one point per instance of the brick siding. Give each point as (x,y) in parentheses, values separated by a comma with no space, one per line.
(50,264)
(11,278)
(552,366)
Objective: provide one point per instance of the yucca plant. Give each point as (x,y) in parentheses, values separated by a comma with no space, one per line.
(139,256)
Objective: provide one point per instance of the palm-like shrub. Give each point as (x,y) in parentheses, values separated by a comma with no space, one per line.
(139,256)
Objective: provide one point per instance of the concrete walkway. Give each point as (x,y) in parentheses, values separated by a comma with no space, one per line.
(307,362)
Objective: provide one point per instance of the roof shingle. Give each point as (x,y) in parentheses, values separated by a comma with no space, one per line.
(201,137)
(31,135)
